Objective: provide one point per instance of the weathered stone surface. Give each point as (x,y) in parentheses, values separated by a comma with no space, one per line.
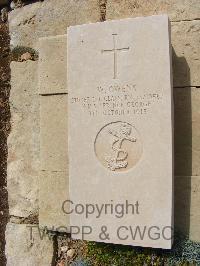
(185,42)
(116,148)
(53,65)
(53,192)
(23,141)
(187,202)
(187,131)
(53,133)
(49,18)
(185,34)
(53,185)
(176,9)
(24,248)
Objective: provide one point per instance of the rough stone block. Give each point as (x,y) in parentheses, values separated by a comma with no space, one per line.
(53,65)
(185,42)
(176,9)
(23,141)
(52,196)
(187,202)
(49,18)
(53,133)
(187,131)
(28,249)
(53,188)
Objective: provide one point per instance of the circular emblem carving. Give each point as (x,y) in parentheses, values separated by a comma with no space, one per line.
(118,146)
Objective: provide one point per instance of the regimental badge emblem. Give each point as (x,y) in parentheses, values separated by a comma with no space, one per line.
(118,146)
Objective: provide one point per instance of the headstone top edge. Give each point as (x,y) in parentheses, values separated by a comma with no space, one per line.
(160,16)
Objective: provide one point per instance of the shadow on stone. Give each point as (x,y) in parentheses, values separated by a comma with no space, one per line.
(181,71)
(182,146)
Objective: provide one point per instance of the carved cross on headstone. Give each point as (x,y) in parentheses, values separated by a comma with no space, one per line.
(114,51)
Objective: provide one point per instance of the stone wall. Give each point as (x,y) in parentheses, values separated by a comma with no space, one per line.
(52,17)
(27,24)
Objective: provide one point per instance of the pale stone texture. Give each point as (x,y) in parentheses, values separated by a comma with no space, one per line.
(48,18)
(53,192)
(187,202)
(185,37)
(53,132)
(187,131)
(53,65)
(176,9)
(98,175)
(186,61)
(53,185)
(187,158)
(185,34)
(24,250)
(185,42)
(23,141)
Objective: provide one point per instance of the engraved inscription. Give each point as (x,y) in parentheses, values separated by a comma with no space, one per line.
(118,146)
(118,100)
(115,51)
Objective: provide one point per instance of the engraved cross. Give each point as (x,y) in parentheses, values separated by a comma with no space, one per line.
(114,51)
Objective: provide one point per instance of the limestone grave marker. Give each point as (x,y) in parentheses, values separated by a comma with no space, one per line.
(120,131)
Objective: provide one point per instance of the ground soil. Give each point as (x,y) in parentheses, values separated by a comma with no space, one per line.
(4,131)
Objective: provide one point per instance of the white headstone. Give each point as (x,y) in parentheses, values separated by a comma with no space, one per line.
(120,131)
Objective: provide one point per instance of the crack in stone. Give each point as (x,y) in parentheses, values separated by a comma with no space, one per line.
(195,19)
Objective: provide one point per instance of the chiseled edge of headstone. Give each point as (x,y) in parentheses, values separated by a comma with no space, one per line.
(52,65)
